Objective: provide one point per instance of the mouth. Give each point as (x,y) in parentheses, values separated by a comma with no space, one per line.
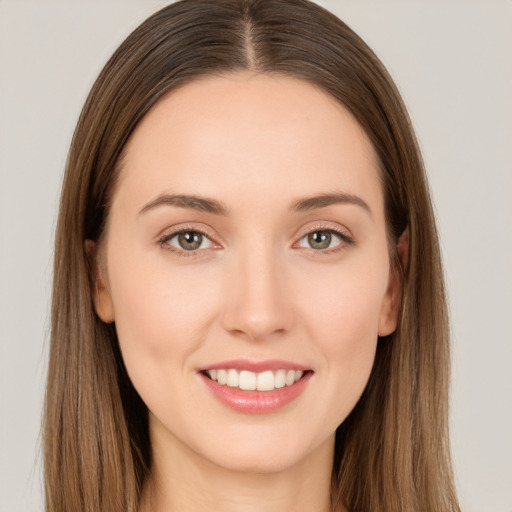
(251,387)
(247,380)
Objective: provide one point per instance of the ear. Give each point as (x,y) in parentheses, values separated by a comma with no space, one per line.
(100,292)
(388,319)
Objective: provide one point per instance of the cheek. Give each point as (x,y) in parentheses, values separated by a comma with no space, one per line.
(161,314)
(347,336)
(346,301)
(162,317)
(343,320)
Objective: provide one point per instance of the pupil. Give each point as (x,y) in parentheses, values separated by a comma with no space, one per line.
(320,239)
(190,240)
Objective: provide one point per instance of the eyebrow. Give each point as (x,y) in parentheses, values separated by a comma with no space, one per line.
(324,200)
(202,204)
(205,204)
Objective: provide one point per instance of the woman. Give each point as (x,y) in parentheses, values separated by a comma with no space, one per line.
(248,308)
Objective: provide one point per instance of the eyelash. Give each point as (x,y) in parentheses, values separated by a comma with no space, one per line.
(345,240)
(163,241)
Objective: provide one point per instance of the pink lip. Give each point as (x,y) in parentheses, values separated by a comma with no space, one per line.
(256,402)
(256,366)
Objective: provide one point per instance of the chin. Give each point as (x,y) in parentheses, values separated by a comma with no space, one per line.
(260,463)
(264,453)
(256,465)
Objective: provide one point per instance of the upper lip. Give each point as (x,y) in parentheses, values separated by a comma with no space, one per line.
(256,366)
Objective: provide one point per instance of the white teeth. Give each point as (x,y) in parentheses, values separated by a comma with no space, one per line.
(280,379)
(222,376)
(247,380)
(232,380)
(250,381)
(265,381)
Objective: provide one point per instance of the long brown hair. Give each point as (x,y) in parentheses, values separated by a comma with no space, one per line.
(392,452)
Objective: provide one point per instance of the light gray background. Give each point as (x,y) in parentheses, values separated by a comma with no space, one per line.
(452,62)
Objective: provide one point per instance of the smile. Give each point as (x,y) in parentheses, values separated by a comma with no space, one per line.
(252,381)
(256,388)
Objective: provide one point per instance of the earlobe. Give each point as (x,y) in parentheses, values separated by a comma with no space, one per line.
(389,309)
(100,293)
(388,319)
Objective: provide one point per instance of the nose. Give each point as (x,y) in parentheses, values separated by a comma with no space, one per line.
(259,305)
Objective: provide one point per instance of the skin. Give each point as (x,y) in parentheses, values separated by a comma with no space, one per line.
(256,289)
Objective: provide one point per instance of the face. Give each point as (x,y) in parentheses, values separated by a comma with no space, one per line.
(246,248)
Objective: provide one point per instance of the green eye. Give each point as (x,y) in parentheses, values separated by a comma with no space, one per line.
(321,240)
(189,241)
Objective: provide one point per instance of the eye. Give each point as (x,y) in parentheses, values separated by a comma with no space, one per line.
(188,240)
(321,240)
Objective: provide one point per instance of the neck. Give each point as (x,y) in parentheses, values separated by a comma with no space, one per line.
(181,480)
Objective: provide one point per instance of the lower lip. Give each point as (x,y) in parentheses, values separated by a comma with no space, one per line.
(256,402)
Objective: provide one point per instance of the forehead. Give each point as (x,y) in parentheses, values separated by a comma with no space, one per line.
(228,134)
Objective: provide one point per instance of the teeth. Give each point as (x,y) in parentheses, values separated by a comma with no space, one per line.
(265,381)
(280,379)
(247,380)
(221,376)
(250,381)
(232,380)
